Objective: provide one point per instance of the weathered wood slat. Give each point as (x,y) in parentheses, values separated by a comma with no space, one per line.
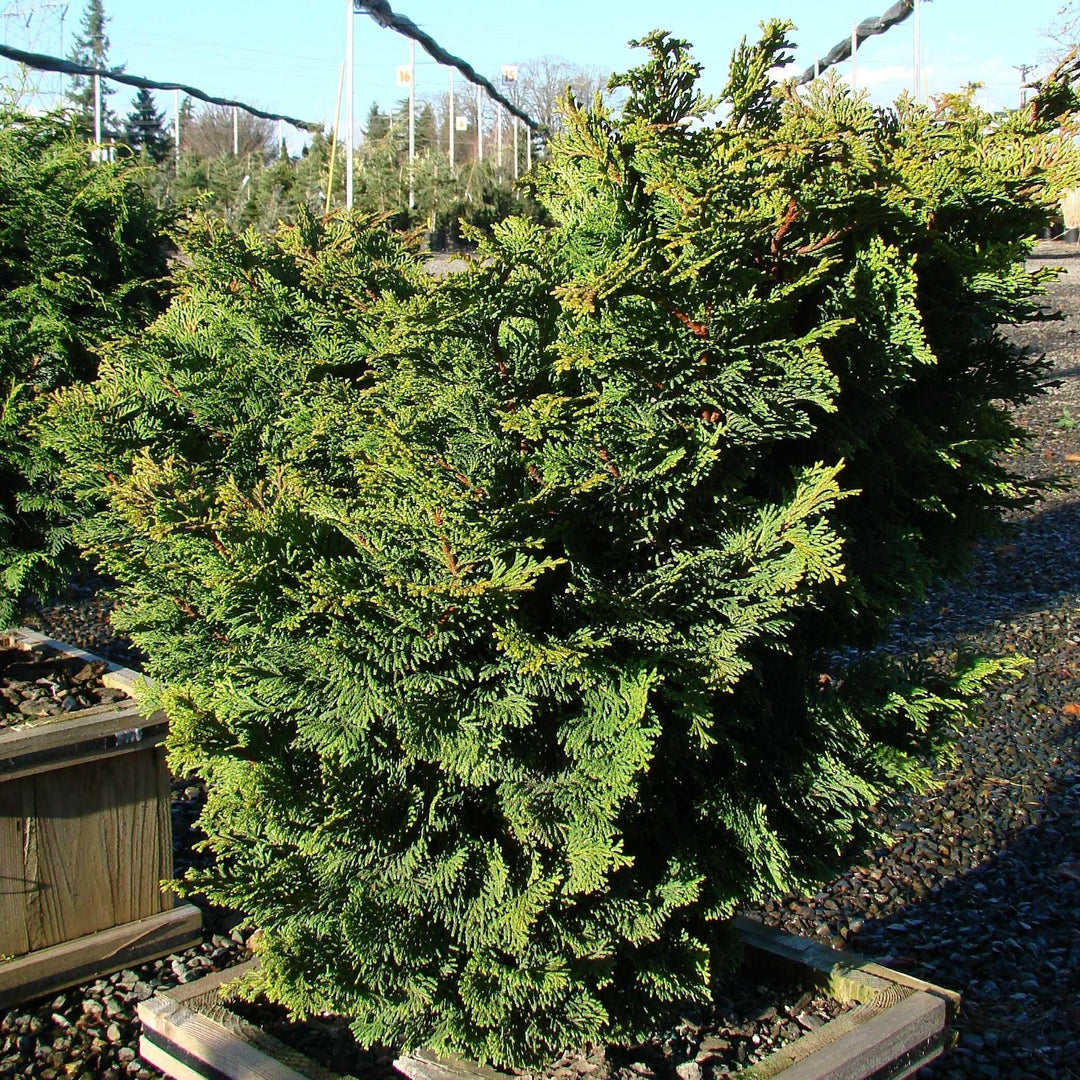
(220,1047)
(115,675)
(72,962)
(80,727)
(424,1065)
(16,810)
(894,1044)
(97,848)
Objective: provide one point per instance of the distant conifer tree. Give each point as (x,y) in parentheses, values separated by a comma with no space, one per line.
(92,50)
(144,128)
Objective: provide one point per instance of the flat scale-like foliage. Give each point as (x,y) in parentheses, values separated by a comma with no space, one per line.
(80,251)
(505,614)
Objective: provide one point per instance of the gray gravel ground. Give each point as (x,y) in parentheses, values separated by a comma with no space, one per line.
(979,889)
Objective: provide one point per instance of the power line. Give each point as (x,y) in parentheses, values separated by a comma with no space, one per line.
(42,62)
(867,28)
(382,13)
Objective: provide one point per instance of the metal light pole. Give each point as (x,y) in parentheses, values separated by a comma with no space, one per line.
(450,118)
(479,126)
(528,149)
(498,135)
(63,17)
(176,127)
(97,117)
(235,131)
(1023,69)
(517,124)
(412,120)
(349,63)
(918,51)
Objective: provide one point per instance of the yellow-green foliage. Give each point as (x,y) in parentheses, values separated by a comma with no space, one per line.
(512,618)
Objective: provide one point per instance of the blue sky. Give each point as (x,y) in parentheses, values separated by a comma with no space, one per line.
(285,56)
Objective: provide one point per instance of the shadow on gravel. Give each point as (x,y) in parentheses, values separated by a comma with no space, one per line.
(1034,567)
(1005,934)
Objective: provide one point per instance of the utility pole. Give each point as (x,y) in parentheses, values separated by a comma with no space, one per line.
(235,131)
(854,51)
(450,119)
(63,18)
(334,140)
(97,117)
(1023,69)
(479,126)
(918,52)
(412,120)
(349,64)
(176,127)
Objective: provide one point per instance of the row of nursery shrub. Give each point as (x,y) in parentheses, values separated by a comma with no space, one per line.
(82,254)
(522,622)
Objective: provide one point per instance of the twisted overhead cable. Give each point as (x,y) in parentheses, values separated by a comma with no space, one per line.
(867,28)
(382,13)
(41,62)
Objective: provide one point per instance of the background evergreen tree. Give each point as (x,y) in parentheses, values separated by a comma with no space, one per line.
(523,623)
(426,135)
(377,125)
(144,128)
(91,48)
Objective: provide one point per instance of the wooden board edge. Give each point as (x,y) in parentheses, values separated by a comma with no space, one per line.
(890,1046)
(184,1041)
(186,992)
(96,750)
(843,972)
(952,998)
(79,738)
(70,963)
(425,1065)
(168,1062)
(116,676)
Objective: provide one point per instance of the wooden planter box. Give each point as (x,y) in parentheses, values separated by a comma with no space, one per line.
(898,1026)
(85,840)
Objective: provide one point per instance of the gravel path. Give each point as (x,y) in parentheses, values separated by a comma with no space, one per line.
(980,888)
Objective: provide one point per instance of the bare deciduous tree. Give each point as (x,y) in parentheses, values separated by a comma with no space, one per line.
(210,133)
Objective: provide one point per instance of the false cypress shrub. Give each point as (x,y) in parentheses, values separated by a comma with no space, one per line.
(512,617)
(80,251)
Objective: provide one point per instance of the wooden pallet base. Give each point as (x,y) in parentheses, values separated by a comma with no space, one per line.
(899,1025)
(80,960)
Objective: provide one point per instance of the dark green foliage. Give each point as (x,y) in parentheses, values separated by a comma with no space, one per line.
(513,618)
(80,250)
(378,123)
(144,128)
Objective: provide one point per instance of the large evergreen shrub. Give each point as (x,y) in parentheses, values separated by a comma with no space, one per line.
(511,617)
(80,252)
